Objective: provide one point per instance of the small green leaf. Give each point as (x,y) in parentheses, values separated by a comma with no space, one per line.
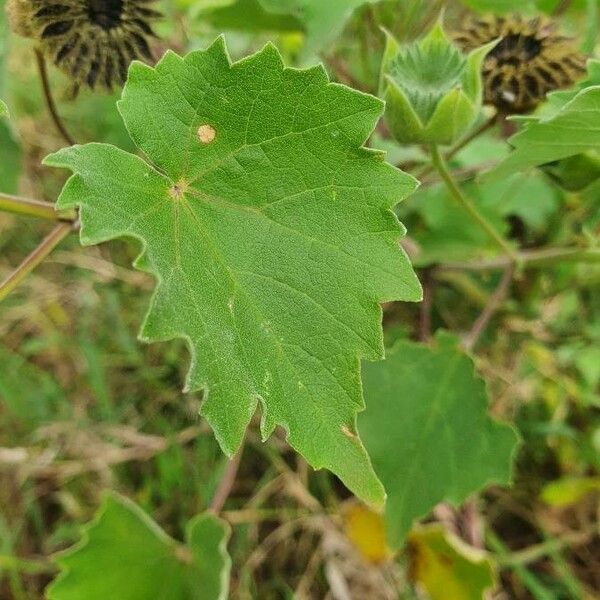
(446,568)
(575,173)
(556,100)
(246,15)
(500,6)
(4,48)
(572,130)
(427,430)
(569,490)
(322,20)
(269,230)
(29,395)
(10,154)
(125,555)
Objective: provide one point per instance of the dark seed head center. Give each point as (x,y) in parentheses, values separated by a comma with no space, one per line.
(516,48)
(105,13)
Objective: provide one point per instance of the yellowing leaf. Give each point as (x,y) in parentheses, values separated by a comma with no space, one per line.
(366,530)
(446,568)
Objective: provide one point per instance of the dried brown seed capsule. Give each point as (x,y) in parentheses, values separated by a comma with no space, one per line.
(91,41)
(18,17)
(530,60)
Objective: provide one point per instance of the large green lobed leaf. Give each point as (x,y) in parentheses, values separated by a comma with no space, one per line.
(124,554)
(428,432)
(269,230)
(571,130)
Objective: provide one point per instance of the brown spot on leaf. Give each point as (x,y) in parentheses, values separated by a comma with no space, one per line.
(184,555)
(178,190)
(206,134)
(348,432)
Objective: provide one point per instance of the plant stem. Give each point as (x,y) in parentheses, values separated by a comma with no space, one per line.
(32,208)
(528,258)
(59,233)
(471,136)
(24,565)
(561,8)
(454,150)
(548,546)
(50,104)
(226,482)
(365,50)
(426,306)
(490,309)
(260,515)
(538,590)
(341,72)
(442,168)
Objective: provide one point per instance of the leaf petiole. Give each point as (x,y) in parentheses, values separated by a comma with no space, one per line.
(33,208)
(439,164)
(49,99)
(463,143)
(226,482)
(528,258)
(59,233)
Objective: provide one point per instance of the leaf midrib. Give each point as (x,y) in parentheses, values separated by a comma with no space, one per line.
(278,345)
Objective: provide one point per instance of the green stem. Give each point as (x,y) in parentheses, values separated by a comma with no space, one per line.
(59,233)
(528,258)
(454,150)
(49,99)
(442,168)
(365,52)
(561,8)
(27,566)
(493,304)
(471,136)
(538,590)
(32,208)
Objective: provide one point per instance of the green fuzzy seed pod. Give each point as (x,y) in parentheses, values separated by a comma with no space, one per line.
(432,90)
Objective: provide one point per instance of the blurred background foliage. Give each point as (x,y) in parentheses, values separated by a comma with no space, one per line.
(85,407)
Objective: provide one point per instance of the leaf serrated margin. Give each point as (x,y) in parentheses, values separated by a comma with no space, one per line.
(384,195)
